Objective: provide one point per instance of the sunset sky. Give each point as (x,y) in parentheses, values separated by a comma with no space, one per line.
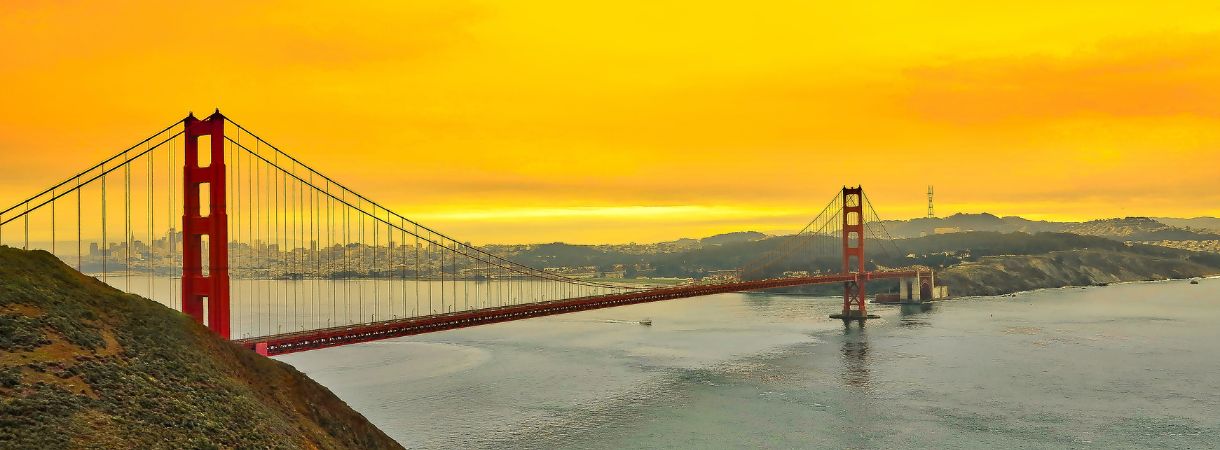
(545,121)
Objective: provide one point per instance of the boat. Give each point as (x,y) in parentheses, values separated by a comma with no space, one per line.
(1194,281)
(646,322)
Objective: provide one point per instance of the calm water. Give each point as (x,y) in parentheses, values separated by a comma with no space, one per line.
(1125,366)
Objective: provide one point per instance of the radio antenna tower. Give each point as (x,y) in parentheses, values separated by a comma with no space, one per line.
(931,212)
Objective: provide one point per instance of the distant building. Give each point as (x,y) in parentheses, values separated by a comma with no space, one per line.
(721,276)
(946,230)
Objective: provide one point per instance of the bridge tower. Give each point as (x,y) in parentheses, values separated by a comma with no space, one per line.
(205,290)
(854,292)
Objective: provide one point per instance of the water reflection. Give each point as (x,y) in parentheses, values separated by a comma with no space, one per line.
(855,356)
(758,301)
(914,315)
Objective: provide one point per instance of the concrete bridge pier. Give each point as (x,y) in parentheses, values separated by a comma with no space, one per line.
(920,288)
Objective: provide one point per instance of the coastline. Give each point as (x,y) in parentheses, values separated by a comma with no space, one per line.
(1054,288)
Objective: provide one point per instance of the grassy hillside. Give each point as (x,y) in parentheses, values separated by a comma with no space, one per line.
(993,275)
(1211,224)
(1138,229)
(84,365)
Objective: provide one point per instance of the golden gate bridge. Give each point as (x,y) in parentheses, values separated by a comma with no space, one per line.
(281,258)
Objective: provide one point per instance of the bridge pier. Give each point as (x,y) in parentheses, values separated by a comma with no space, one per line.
(920,288)
(854,315)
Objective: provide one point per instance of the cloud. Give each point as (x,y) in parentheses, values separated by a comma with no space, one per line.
(1154,76)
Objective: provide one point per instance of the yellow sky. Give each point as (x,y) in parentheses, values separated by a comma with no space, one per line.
(643,121)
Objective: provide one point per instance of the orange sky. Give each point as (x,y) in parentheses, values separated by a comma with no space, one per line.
(644,121)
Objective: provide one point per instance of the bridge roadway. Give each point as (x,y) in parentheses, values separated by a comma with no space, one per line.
(279,344)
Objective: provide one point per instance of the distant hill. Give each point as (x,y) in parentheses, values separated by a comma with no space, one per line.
(936,250)
(83,365)
(728,238)
(1138,229)
(968,222)
(994,275)
(1124,229)
(1210,224)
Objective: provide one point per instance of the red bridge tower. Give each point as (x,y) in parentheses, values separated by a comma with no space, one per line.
(205,290)
(853,256)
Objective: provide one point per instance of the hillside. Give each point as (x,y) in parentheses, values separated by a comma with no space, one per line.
(937,251)
(1123,229)
(972,263)
(1211,224)
(729,238)
(994,275)
(84,365)
(969,222)
(1138,229)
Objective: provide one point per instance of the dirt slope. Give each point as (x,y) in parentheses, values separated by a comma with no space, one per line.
(84,365)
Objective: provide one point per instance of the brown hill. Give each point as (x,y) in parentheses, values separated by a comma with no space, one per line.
(84,365)
(994,275)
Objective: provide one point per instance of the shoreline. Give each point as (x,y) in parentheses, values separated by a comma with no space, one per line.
(1073,286)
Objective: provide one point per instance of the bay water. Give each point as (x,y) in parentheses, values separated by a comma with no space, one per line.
(1123,366)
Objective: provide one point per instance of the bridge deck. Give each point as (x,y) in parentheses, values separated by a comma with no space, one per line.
(336,336)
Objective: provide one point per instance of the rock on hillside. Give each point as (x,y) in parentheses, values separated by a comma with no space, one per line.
(84,365)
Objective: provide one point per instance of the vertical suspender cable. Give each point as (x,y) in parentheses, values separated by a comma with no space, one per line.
(442,274)
(152,247)
(79,250)
(347,268)
(362,262)
(372,271)
(294,207)
(52,221)
(313,250)
(453,267)
(169,219)
(416,270)
(429,262)
(256,225)
(230,228)
(327,257)
(402,237)
(105,239)
(279,247)
(127,225)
